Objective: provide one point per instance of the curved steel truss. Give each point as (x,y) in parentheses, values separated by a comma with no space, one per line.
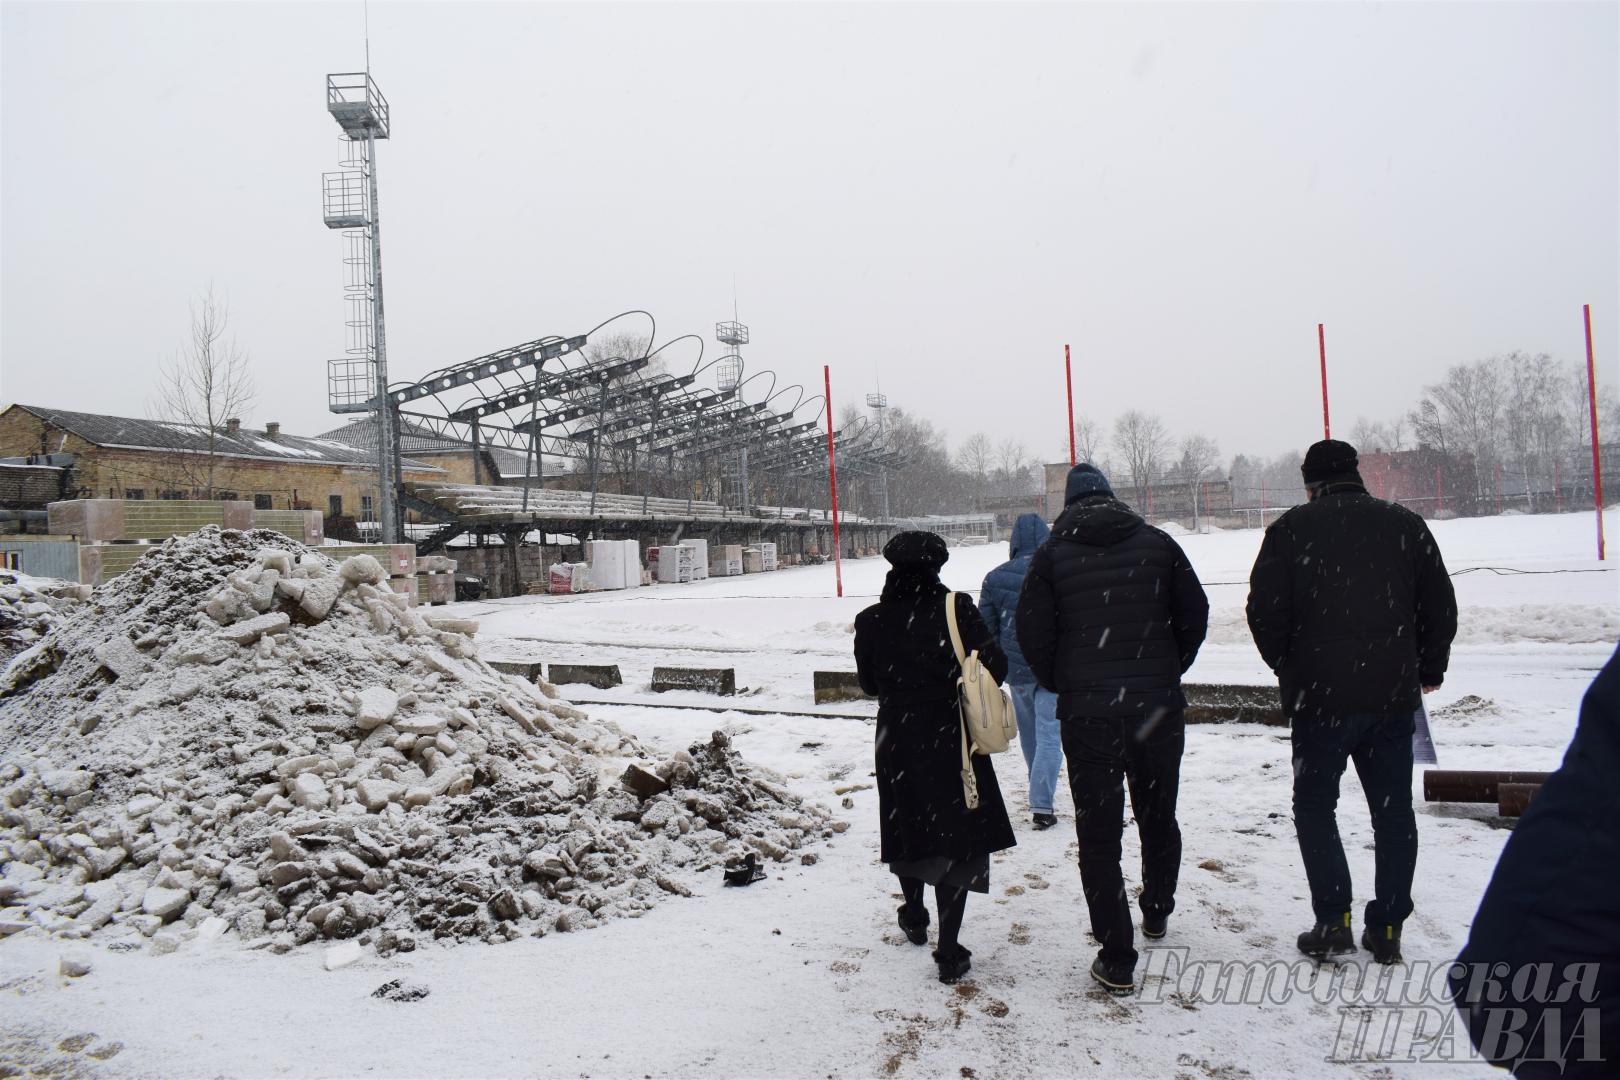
(646,414)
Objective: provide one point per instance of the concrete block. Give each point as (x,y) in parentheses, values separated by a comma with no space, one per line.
(527,670)
(87,519)
(838,686)
(1230,703)
(435,588)
(601,676)
(722,681)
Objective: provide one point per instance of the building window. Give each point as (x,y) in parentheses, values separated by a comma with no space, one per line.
(171,495)
(226,496)
(261,502)
(134,493)
(13,560)
(334,506)
(365,508)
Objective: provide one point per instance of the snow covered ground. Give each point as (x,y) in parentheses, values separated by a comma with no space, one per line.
(805,974)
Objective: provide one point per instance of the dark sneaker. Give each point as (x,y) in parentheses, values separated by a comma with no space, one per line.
(1155,926)
(916,930)
(1327,941)
(1384,942)
(1117,979)
(1045,821)
(953,966)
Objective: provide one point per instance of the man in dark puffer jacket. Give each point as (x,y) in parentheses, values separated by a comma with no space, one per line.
(1110,617)
(1351,606)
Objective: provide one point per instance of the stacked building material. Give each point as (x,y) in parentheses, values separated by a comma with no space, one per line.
(113,534)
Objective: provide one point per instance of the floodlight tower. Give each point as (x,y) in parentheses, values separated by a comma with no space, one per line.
(358,381)
(879,403)
(730,370)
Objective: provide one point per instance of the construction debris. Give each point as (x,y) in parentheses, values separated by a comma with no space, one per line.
(240,733)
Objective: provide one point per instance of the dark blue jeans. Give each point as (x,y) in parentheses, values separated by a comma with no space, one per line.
(1381,747)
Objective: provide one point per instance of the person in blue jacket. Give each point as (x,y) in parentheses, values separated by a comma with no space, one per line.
(1038,732)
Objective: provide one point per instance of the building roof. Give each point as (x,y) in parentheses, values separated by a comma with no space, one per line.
(416,439)
(128,433)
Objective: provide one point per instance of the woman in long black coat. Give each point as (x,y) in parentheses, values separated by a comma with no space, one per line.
(904,655)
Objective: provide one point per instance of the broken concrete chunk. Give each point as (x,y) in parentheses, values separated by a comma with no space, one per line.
(309,791)
(424,724)
(250,630)
(65,783)
(362,568)
(74,965)
(378,705)
(642,783)
(292,588)
(341,956)
(452,625)
(319,596)
(375,794)
(120,656)
(164,903)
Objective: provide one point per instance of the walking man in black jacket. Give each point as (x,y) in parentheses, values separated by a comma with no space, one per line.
(1110,616)
(1350,604)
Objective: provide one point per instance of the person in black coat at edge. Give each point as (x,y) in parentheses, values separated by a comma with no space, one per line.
(904,657)
(1350,604)
(1554,900)
(1110,617)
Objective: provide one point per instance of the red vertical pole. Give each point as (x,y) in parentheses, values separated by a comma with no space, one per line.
(832,482)
(1439,493)
(1558,491)
(1591,402)
(1068,383)
(1262,502)
(1321,345)
(1499,488)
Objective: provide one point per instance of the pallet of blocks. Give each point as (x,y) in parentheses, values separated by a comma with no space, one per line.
(113,534)
(615,564)
(727,560)
(674,564)
(700,558)
(435,579)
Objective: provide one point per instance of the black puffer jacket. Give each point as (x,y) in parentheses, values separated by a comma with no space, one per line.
(1351,606)
(1111,613)
(904,656)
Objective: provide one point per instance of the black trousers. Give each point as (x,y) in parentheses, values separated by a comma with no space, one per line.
(1381,747)
(1104,755)
(952,903)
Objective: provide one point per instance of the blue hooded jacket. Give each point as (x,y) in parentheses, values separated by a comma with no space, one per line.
(998,598)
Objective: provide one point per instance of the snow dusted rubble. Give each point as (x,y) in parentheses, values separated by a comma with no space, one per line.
(239,733)
(29,607)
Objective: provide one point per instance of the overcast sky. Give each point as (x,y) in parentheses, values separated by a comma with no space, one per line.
(934,196)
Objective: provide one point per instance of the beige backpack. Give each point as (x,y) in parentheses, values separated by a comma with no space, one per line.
(989,724)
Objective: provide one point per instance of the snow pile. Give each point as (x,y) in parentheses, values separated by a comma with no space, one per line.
(29,607)
(240,734)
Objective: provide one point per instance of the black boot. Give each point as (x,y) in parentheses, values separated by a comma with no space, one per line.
(1117,979)
(1327,941)
(916,929)
(1044,821)
(1384,942)
(1155,926)
(953,965)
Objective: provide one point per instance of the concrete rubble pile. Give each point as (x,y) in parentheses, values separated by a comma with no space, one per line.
(241,735)
(29,608)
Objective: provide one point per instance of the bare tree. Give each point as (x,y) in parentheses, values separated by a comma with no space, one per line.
(974,457)
(1141,439)
(1198,454)
(1090,437)
(203,385)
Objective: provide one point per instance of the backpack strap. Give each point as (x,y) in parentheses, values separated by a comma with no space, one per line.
(956,634)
